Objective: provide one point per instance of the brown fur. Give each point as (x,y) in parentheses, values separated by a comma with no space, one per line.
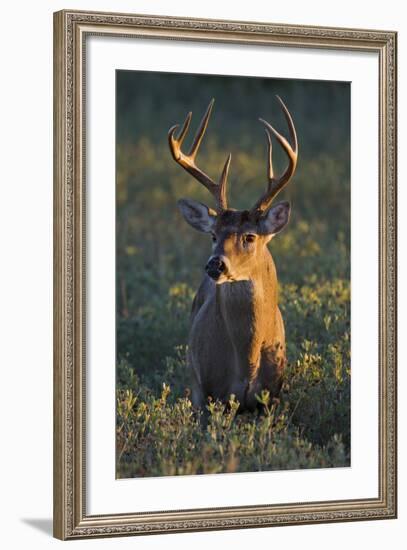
(237,342)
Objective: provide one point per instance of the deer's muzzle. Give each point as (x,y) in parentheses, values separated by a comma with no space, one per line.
(215,267)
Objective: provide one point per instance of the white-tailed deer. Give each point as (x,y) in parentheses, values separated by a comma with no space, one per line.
(236,340)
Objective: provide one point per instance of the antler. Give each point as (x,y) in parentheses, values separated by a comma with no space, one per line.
(276,184)
(187,161)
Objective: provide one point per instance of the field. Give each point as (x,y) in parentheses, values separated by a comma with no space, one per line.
(160,263)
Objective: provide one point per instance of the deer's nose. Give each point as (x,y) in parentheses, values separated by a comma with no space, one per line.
(215,267)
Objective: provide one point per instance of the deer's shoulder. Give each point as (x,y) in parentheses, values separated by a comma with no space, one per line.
(205,290)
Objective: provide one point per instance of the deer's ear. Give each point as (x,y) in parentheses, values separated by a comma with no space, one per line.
(197,214)
(275,219)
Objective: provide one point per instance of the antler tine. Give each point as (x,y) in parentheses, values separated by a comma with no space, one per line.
(201,130)
(184,128)
(222,187)
(291,127)
(276,184)
(270,172)
(187,161)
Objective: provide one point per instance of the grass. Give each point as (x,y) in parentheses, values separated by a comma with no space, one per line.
(158,432)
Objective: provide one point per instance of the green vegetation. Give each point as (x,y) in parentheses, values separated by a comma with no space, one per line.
(160,263)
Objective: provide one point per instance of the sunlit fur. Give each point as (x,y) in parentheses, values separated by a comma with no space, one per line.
(236,341)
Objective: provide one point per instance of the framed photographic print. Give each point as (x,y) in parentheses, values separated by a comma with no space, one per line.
(225,274)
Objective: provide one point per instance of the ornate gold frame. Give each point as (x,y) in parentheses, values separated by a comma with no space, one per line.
(70,31)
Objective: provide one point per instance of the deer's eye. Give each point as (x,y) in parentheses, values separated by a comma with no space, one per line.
(249,238)
(213,237)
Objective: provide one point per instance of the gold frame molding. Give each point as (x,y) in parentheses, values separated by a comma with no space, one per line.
(70,31)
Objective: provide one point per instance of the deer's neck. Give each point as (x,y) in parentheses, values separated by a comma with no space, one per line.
(248,309)
(258,292)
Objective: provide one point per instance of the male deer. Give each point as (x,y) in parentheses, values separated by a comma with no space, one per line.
(236,340)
